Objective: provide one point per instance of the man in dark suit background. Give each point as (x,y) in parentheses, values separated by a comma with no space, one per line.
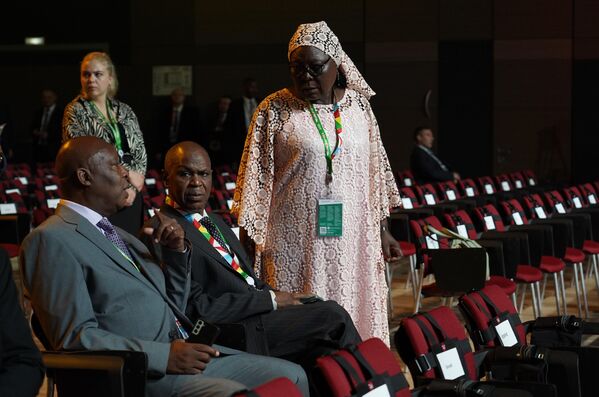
(224,286)
(46,128)
(96,287)
(239,118)
(425,165)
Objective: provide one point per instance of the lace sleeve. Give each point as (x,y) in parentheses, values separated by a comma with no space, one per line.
(383,188)
(72,121)
(136,139)
(253,195)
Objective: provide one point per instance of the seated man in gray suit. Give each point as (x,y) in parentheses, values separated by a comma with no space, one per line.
(96,287)
(224,286)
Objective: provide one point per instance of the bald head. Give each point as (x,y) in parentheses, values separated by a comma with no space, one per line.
(188,175)
(91,174)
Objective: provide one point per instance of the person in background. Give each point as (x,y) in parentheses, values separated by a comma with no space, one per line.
(97,112)
(240,115)
(424,163)
(216,127)
(315,186)
(46,128)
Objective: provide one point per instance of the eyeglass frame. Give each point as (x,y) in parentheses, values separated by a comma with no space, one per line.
(297,70)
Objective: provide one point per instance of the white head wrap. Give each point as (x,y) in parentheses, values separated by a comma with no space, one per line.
(319,35)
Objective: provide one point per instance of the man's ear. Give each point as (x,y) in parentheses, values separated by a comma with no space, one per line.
(84,176)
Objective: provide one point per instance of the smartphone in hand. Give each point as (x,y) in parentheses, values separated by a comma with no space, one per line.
(311,299)
(203,332)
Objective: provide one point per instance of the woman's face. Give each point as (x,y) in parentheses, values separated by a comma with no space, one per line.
(95,79)
(313,74)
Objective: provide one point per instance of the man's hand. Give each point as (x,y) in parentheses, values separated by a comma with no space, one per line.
(285,299)
(391,248)
(167,232)
(189,358)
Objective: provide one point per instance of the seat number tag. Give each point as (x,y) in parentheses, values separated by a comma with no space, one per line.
(450,364)
(506,334)
(489,223)
(517,218)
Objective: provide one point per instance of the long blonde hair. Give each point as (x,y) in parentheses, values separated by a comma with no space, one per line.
(105,58)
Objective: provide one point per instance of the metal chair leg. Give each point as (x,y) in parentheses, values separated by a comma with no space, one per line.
(419,288)
(544,285)
(535,308)
(514,300)
(563,288)
(576,284)
(557,293)
(584,290)
(594,257)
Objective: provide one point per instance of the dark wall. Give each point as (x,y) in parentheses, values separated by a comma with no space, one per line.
(398,44)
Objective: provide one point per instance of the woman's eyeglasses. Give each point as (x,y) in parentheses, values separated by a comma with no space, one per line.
(314,70)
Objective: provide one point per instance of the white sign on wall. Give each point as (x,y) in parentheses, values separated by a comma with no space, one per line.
(167,78)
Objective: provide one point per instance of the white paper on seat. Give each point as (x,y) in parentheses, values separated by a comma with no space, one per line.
(592,199)
(518,184)
(406,202)
(560,208)
(150,181)
(489,189)
(431,243)
(380,391)
(517,218)
(229,203)
(540,212)
(52,203)
(489,223)
(151,212)
(22,179)
(8,209)
(11,191)
(576,202)
(469,192)
(450,195)
(506,334)
(49,188)
(450,364)
(505,186)
(230,185)
(407,182)
(531,182)
(462,231)
(430,199)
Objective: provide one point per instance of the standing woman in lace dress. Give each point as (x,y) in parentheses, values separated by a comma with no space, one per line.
(315,185)
(97,112)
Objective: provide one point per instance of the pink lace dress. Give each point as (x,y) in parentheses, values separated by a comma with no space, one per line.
(282,177)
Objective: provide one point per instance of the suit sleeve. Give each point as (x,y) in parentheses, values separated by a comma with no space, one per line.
(57,286)
(21,369)
(426,169)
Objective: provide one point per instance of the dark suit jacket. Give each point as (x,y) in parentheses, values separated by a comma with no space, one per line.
(218,293)
(88,296)
(189,126)
(54,131)
(236,130)
(426,169)
(21,369)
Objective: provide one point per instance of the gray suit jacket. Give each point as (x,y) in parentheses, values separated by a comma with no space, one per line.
(87,295)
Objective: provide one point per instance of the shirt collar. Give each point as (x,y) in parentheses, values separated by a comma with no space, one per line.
(92,216)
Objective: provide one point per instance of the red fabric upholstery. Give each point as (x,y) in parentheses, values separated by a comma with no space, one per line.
(479,315)
(467,184)
(507,286)
(551,264)
(490,210)
(274,388)
(11,249)
(409,193)
(528,274)
(485,181)
(590,247)
(407,248)
(574,255)
(461,217)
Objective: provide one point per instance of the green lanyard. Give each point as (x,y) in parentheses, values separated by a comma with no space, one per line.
(112,124)
(328,153)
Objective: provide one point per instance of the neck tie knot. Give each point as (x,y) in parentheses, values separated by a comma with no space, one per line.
(113,237)
(214,232)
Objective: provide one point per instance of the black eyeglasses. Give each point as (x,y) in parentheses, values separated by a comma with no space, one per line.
(314,70)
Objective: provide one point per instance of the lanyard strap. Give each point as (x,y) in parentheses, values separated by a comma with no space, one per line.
(112,124)
(328,153)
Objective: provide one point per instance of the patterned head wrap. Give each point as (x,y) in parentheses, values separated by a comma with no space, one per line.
(319,35)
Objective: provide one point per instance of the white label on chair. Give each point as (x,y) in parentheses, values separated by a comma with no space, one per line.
(489,189)
(450,364)
(592,199)
(11,191)
(429,198)
(52,203)
(506,334)
(450,195)
(577,203)
(406,202)
(560,208)
(7,209)
(380,391)
(505,186)
(531,182)
(518,184)
(469,192)
(489,223)
(50,188)
(230,185)
(224,173)
(463,231)
(236,231)
(407,182)
(150,181)
(431,243)
(151,212)
(540,212)
(22,179)
(517,218)
(229,203)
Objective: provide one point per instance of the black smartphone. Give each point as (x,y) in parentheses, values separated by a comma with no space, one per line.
(203,332)
(311,299)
